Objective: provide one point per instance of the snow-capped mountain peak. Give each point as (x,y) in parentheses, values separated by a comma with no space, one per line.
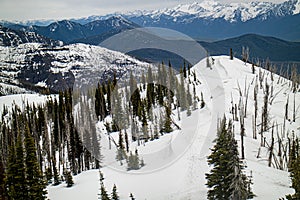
(232,12)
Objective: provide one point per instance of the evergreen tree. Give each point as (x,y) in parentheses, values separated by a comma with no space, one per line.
(295,175)
(126,142)
(136,100)
(48,174)
(184,69)
(3,191)
(114,194)
(61,116)
(55,173)
(231,54)
(103,193)
(131,196)
(121,154)
(34,178)
(10,178)
(168,121)
(133,161)
(226,180)
(15,175)
(69,178)
(100,104)
(55,125)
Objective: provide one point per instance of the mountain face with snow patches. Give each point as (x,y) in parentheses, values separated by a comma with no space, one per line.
(232,12)
(214,20)
(9,37)
(35,66)
(67,30)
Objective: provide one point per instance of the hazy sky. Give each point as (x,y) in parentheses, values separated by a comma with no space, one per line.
(63,9)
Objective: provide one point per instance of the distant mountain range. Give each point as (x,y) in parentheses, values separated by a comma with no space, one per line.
(67,30)
(208,20)
(261,47)
(214,20)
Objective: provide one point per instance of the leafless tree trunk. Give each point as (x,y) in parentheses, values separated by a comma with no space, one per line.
(271,148)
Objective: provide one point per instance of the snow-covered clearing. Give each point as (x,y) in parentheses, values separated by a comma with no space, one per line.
(21,100)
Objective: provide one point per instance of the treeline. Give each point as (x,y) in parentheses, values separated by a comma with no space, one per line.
(40,145)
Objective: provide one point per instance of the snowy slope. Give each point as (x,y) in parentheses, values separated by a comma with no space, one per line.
(21,100)
(176,163)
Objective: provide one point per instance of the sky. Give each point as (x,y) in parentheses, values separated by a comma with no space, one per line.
(20,10)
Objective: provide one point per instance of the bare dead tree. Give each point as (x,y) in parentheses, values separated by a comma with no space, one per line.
(242,125)
(208,65)
(287,108)
(265,112)
(245,54)
(294,108)
(246,99)
(271,148)
(254,127)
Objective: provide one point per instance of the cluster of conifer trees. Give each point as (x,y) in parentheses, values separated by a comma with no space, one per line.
(40,145)
(294,168)
(226,179)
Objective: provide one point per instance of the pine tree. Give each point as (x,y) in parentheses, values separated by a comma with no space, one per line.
(133,161)
(48,175)
(121,154)
(114,194)
(3,191)
(69,179)
(226,180)
(168,121)
(103,193)
(126,142)
(55,126)
(100,104)
(10,180)
(295,174)
(15,175)
(184,69)
(34,178)
(55,173)
(131,196)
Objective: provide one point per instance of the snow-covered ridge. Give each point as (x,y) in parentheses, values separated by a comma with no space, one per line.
(230,12)
(52,66)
